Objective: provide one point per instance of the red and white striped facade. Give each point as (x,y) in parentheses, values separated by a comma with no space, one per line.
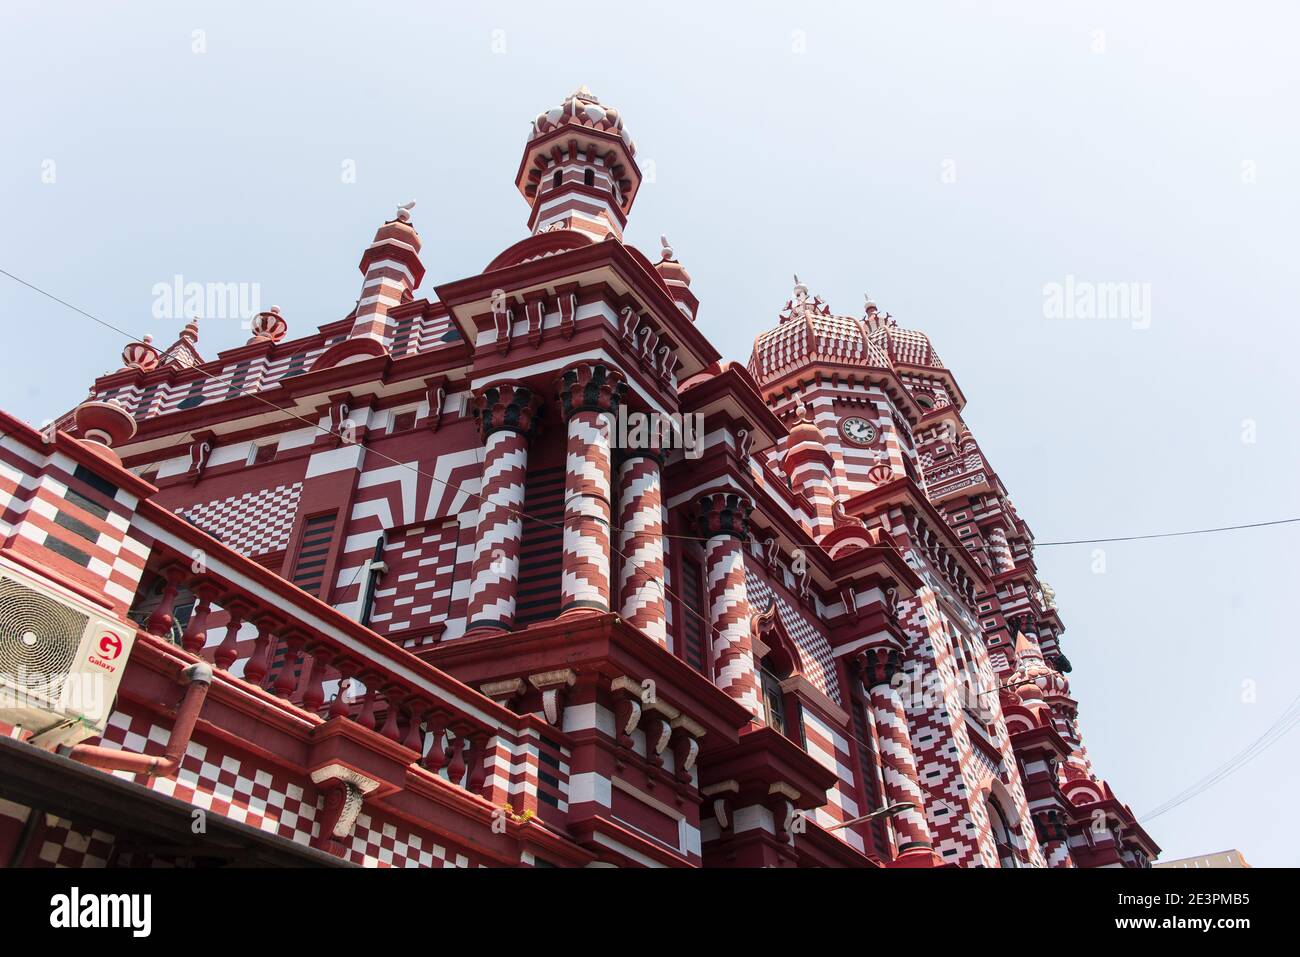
(482,626)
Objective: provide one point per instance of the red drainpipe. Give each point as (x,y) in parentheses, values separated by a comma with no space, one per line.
(197,677)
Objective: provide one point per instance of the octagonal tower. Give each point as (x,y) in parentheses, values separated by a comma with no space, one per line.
(578,170)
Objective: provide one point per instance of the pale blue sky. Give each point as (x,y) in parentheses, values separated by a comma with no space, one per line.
(1119,156)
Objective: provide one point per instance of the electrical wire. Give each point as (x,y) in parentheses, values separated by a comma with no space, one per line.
(1230,766)
(614,528)
(1275,732)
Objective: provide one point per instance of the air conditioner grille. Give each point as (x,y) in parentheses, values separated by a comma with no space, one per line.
(39,638)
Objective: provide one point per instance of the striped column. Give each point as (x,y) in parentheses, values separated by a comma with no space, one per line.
(391,265)
(809,465)
(589,394)
(508,415)
(1054,838)
(641,544)
(723,519)
(902,784)
(1000,551)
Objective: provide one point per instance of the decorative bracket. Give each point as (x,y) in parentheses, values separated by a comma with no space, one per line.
(345,790)
(552,685)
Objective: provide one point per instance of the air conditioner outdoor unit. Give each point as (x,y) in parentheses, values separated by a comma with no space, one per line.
(60,661)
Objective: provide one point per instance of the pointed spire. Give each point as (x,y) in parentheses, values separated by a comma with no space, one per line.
(1027,649)
(677,279)
(183,352)
(392,269)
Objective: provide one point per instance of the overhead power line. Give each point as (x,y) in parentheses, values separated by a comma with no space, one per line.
(524,515)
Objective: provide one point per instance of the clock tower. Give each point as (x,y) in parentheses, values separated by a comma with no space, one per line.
(842,374)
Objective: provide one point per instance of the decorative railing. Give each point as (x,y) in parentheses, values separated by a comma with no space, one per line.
(256,628)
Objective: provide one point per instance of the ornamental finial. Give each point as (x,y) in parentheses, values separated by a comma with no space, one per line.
(404,211)
(667,250)
(268,326)
(800,290)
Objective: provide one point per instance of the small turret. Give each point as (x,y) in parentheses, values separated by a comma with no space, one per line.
(184,351)
(578,170)
(392,267)
(677,279)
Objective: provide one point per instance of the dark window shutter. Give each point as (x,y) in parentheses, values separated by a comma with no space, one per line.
(694,643)
(313,553)
(538,595)
(868,764)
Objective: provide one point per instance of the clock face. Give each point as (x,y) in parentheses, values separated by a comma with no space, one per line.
(858,430)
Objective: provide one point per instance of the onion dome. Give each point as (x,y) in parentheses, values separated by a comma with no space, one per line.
(268,326)
(579,150)
(1032,668)
(582,108)
(140,355)
(805,431)
(1030,694)
(809,334)
(103,425)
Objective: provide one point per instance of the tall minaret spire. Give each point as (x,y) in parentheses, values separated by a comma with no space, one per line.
(578,170)
(392,267)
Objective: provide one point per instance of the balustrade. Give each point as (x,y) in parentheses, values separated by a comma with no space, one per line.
(317,671)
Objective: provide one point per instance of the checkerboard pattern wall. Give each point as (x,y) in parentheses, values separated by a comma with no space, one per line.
(818,662)
(415,592)
(234,786)
(66,846)
(376,843)
(254,523)
(224,784)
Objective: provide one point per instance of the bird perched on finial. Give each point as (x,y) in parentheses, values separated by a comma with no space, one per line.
(667,251)
(800,290)
(404,211)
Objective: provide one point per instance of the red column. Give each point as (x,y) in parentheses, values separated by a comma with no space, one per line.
(508,415)
(1053,838)
(723,519)
(902,784)
(641,544)
(589,394)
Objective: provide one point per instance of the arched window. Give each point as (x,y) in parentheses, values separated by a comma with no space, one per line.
(589,177)
(557,179)
(780,661)
(773,697)
(1002,834)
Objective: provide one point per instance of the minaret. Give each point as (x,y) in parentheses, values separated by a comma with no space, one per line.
(578,170)
(184,351)
(810,467)
(677,279)
(392,267)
